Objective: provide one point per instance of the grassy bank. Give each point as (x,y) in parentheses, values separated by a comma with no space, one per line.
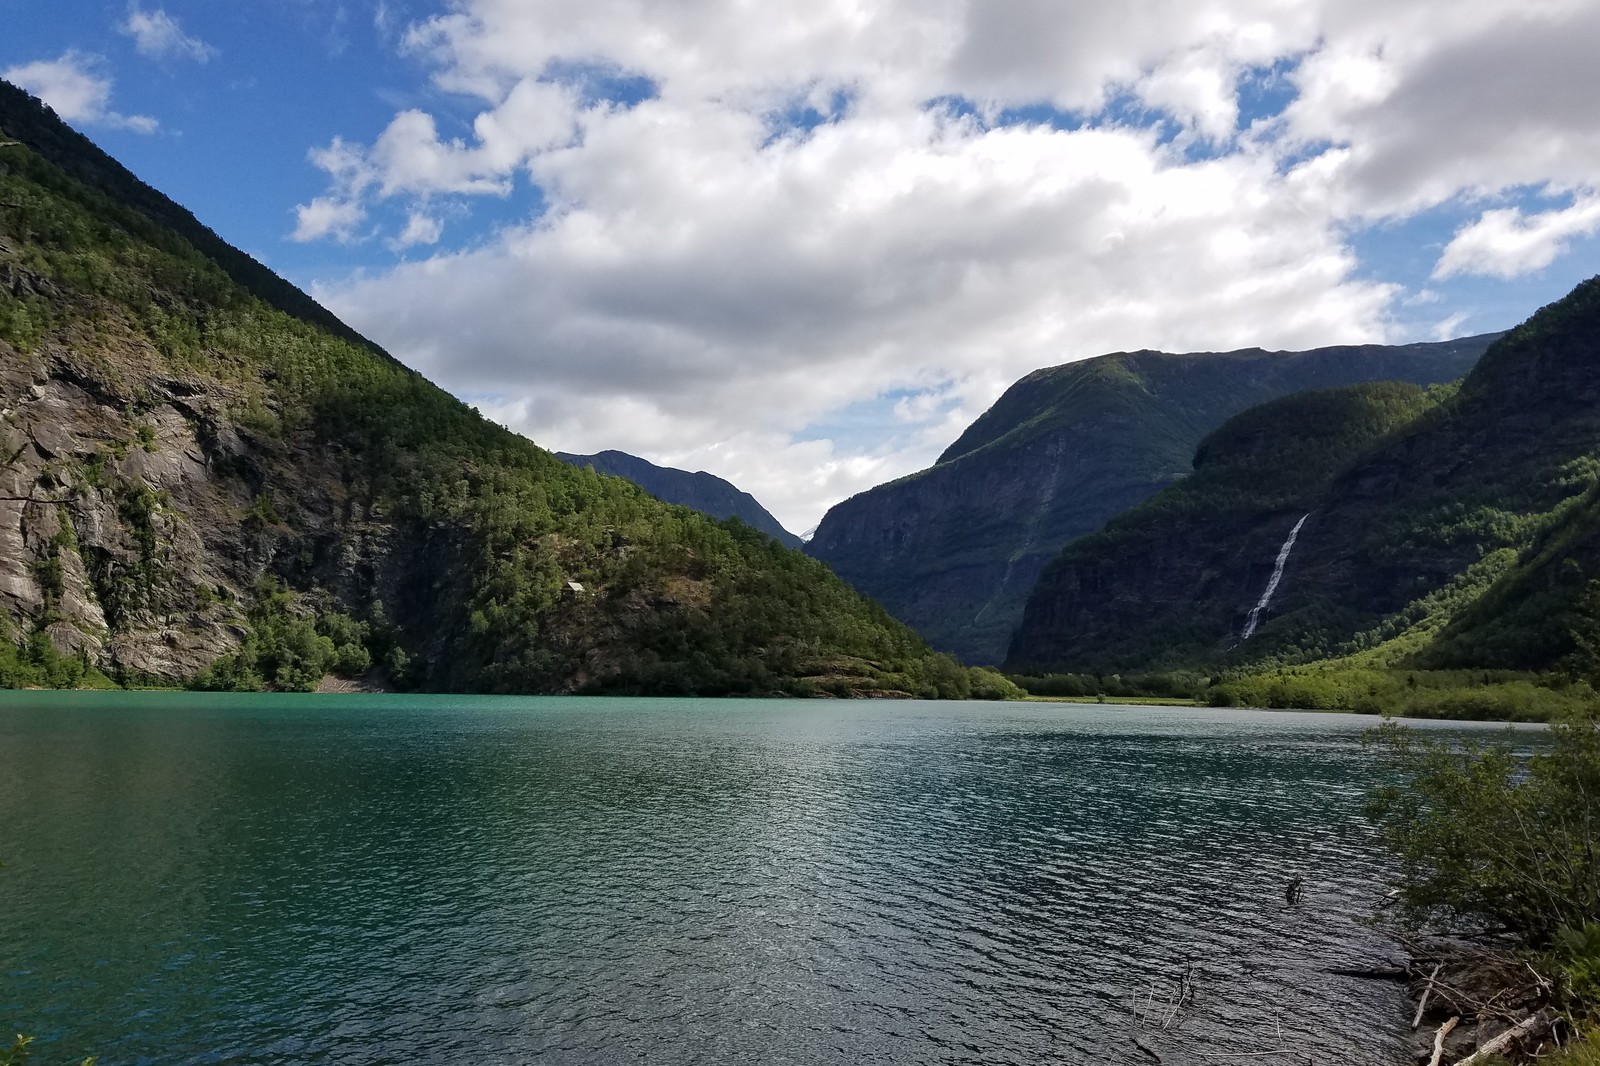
(1464,695)
(1125,701)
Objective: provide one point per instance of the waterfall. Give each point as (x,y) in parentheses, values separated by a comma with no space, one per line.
(1277,576)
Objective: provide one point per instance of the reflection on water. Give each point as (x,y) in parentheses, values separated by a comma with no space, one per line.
(444,879)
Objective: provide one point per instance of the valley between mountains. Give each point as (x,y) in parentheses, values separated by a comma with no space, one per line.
(211,481)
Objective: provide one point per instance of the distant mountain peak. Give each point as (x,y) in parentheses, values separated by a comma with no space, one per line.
(700,490)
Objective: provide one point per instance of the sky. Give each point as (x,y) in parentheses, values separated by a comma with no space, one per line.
(801,244)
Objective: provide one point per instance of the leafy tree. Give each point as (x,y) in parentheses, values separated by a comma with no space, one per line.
(1491,840)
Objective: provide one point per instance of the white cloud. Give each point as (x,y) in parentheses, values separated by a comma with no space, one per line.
(1435,101)
(1504,243)
(736,290)
(158,35)
(409,158)
(420,229)
(709,285)
(76,90)
(327,216)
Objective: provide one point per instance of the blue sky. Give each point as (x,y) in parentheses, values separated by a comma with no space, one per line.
(803,246)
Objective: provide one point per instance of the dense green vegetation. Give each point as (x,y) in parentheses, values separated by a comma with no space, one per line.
(1447,565)
(1582,1052)
(1180,685)
(291,651)
(35,662)
(166,224)
(1481,695)
(1157,589)
(1504,847)
(1490,841)
(956,549)
(510,571)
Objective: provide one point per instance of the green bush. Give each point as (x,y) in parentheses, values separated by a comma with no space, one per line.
(1492,840)
(289,650)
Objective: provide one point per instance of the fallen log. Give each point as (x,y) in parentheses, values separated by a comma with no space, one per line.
(1438,1041)
(1504,1040)
(1427,990)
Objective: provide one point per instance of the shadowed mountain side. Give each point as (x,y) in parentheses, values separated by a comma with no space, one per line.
(1466,537)
(955,549)
(699,490)
(1172,580)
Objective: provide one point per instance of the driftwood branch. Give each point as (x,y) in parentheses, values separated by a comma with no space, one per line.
(1427,990)
(1438,1041)
(1504,1040)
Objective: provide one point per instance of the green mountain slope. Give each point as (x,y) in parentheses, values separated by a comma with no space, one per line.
(955,550)
(1463,538)
(699,490)
(206,475)
(1170,581)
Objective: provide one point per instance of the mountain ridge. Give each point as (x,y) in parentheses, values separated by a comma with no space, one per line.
(697,489)
(204,486)
(1463,538)
(954,550)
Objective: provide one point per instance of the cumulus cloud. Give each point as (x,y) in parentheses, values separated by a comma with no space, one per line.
(1435,101)
(811,307)
(734,287)
(420,229)
(75,88)
(327,216)
(158,35)
(1504,243)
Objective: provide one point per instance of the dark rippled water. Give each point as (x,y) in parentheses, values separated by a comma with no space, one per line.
(453,880)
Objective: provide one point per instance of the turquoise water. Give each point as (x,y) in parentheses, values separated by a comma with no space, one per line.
(375,879)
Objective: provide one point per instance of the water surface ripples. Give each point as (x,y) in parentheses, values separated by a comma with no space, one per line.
(440,879)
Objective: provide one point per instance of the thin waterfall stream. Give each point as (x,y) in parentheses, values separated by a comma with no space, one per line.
(1272,585)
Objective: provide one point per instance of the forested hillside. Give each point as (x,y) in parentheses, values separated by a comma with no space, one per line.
(208,479)
(956,549)
(1169,583)
(1461,535)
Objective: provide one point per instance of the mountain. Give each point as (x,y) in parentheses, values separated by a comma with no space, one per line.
(955,549)
(1457,531)
(701,491)
(209,479)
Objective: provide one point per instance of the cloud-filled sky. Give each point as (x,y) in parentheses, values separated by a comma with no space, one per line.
(802,244)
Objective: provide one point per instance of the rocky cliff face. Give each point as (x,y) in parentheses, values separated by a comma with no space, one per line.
(956,549)
(92,545)
(205,472)
(699,490)
(1461,535)
(137,515)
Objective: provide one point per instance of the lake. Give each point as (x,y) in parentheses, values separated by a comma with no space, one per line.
(438,879)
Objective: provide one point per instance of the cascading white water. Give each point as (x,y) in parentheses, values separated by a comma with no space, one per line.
(1277,576)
